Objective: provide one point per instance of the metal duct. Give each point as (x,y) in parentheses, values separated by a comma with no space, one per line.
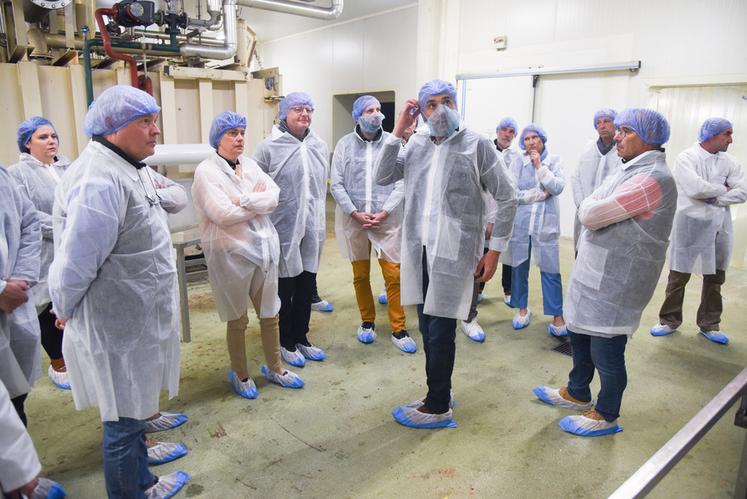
(299,9)
(228,49)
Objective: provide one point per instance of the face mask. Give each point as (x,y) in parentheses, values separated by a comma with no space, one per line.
(443,121)
(371,123)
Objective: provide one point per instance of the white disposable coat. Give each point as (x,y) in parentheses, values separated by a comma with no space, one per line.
(300,170)
(20,246)
(114,279)
(444,213)
(355,189)
(702,236)
(592,170)
(536,216)
(19,463)
(622,251)
(237,240)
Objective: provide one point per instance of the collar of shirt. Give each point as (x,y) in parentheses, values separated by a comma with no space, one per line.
(703,154)
(119,152)
(638,159)
(283,126)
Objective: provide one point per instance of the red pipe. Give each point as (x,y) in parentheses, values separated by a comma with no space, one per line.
(111,13)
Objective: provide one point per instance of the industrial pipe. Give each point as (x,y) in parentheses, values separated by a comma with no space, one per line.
(100,13)
(228,49)
(296,8)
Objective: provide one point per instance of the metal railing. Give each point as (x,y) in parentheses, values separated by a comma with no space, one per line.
(645,479)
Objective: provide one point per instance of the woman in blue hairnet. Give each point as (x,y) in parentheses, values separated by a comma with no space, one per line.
(539,182)
(37,173)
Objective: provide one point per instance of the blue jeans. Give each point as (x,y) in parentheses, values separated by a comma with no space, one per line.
(607,355)
(126,459)
(552,288)
(439,335)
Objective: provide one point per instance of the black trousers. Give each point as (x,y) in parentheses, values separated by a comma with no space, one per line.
(18,403)
(51,337)
(295,308)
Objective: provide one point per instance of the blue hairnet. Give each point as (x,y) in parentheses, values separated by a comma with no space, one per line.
(650,126)
(604,113)
(223,123)
(507,122)
(293,99)
(532,127)
(115,108)
(27,129)
(362,103)
(712,127)
(435,87)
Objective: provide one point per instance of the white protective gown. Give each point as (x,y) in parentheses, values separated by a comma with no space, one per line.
(114,280)
(20,247)
(19,463)
(622,251)
(237,240)
(300,170)
(702,236)
(354,189)
(38,182)
(444,213)
(592,170)
(537,216)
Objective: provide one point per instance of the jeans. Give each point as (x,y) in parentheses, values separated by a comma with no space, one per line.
(606,355)
(439,334)
(126,459)
(295,308)
(552,288)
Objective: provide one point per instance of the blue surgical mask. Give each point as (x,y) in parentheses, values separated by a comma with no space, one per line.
(443,121)
(371,123)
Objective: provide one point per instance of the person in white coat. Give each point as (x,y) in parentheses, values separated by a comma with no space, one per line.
(598,161)
(505,133)
(709,181)
(369,216)
(539,181)
(446,172)
(113,283)
(233,198)
(38,171)
(20,247)
(297,160)
(621,253)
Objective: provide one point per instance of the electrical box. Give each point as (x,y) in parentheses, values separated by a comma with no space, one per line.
(500,42)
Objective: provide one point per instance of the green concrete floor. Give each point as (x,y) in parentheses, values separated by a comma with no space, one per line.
(336,438)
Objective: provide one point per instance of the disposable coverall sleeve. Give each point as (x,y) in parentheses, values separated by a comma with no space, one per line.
(207,194)
(582,183)
(737,189)
(19,463)
(173,196)
(638,196)
(262,157)
(390,163)
(29,250)
(692,184)
(497,182)
(45,219)
(337,177)
(261,203)
(90,232)
(395,197)
(552,179)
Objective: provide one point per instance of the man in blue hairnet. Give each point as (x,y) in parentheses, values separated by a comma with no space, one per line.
(446,172)
(708,181)
(113,283)
(598,161)
(621,253)
(505,134)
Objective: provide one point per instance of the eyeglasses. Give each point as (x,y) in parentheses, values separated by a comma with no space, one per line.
(624,131)
(301,109)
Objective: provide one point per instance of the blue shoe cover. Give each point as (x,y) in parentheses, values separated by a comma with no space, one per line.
(661,330)
(247,389)
(587,427)
(47,489)
(166,421)
(311,352)
(383,299)
(178,451)
(366,335)
(295,359)
(168,485)
(287,380)
(716,337)
(406,344)
(558,332)
(323,306)
(411,417)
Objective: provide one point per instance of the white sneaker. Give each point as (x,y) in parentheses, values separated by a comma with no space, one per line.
(59,379)
(293,358)
(473,330)
(661,330)
(167,485)
(521,321)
